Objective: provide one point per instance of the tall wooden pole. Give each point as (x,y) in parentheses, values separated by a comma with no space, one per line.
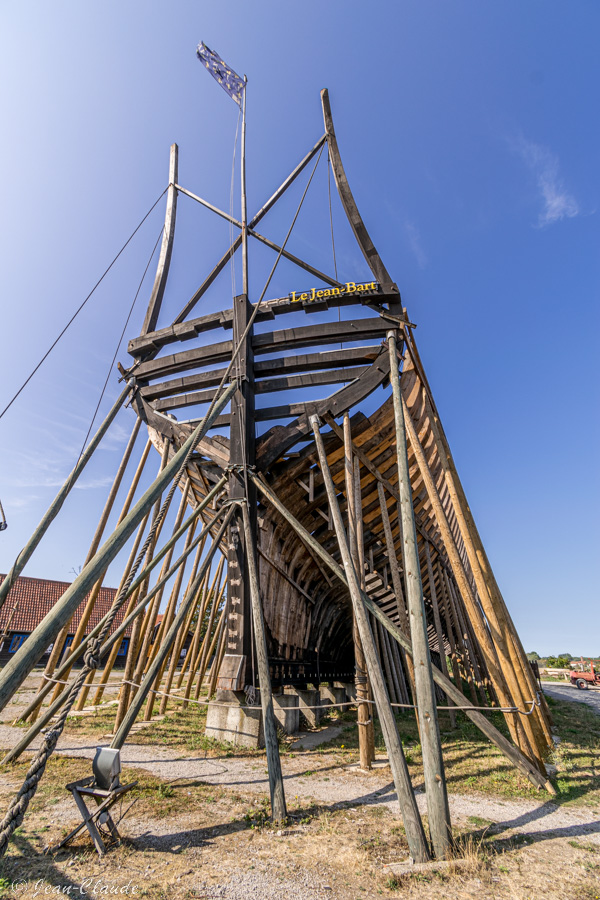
(501,673)
(433,764)
(408,806)
(395,573)
(236,672)
(278,807)
(366,743)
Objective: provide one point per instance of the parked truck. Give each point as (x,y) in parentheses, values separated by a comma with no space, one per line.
(585,680)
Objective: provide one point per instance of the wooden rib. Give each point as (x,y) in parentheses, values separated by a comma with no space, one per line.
(164,260)
(358,226)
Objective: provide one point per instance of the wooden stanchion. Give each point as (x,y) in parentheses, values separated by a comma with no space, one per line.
(438,810)
(410,813)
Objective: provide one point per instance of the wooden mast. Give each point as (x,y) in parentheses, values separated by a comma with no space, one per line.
(236,669)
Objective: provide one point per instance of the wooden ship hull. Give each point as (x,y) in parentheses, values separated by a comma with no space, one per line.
(308,614)
(350,554)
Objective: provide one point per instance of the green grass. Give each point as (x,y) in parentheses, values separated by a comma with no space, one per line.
(474,765)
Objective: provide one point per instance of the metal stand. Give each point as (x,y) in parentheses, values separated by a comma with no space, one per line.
(86,787)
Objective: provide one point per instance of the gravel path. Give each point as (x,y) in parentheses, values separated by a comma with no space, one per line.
(568,692)
(321,779)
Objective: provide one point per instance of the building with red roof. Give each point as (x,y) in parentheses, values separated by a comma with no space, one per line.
(31,599)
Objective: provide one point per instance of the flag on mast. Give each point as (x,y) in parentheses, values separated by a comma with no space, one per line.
(227,78)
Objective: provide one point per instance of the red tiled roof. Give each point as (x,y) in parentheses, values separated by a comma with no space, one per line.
(35,597)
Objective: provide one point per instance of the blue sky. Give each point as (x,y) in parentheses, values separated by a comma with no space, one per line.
(469,133)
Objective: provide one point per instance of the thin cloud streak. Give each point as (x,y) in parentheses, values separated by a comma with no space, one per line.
(413,237)
(558,202)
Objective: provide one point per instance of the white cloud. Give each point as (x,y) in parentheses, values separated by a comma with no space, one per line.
(558,202)
(413,237)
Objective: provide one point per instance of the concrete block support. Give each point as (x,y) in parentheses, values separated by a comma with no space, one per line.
(227,722)
(307,701)
(287,712)
(333,694)
(350,690)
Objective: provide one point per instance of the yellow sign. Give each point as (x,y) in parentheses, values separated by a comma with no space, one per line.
(350,287)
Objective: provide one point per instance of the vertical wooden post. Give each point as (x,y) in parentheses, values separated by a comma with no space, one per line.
(369,727)
(195,648)
(278,807)
(408,806)
(395,573)
(438,624)
(181,638)
(138,701)
(450,628)
(167,619)
(108,667)
(220,634)
(366,742)
(433,763)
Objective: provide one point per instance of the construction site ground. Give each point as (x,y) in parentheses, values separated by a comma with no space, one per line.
(199,827)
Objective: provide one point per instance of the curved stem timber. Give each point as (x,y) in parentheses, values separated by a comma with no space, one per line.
(164,260)
(361,234)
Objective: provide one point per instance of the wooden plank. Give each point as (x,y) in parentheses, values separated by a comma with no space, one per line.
(312,379)
(284,366)
(329,333)
(186,359)
(326,359)
(186,331)
(270,342)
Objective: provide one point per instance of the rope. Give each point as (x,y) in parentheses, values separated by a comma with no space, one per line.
(76,313)
(354,703)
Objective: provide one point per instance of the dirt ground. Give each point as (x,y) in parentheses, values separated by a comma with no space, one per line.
(199,827)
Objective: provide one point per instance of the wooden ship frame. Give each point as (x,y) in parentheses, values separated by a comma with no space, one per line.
(349,556)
